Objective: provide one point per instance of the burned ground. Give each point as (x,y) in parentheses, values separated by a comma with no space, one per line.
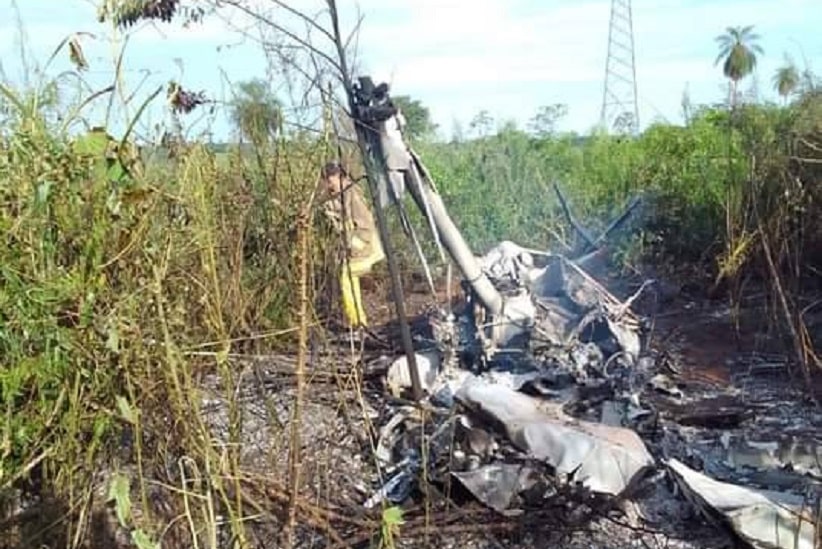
(722,402)
(728,401)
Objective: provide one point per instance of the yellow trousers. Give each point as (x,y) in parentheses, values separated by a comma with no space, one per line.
(350,275)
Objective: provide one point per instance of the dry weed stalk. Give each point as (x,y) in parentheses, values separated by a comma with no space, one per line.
(304,223)
(776,280)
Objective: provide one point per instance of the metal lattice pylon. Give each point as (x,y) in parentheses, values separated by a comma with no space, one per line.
(619,99)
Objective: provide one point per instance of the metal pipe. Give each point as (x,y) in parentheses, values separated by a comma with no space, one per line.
(455,244)
(376,172)
(376,175)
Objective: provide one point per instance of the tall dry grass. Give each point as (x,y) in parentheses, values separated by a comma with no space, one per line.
(123,281)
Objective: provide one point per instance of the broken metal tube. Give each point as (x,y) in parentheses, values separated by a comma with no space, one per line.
(374,111)
(457,248)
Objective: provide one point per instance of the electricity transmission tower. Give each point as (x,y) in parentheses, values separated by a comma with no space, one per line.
(619,99)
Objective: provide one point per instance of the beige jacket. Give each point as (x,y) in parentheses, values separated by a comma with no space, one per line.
(353,214)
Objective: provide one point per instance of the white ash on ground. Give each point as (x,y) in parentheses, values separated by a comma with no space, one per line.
(672,414)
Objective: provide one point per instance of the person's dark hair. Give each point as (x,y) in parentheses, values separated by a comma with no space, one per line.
(333,168)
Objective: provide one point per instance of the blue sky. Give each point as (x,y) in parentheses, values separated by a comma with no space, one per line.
(508,57)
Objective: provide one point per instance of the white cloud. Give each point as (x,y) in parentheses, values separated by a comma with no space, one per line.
(473,53)
(461,56)
(554,48)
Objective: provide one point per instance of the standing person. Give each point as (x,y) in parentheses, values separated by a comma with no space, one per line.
(348,211)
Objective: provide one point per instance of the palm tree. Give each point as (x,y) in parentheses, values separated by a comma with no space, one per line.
(738,49)
(786,79)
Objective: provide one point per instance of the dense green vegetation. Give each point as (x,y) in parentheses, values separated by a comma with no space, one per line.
(701,182)
(123,279)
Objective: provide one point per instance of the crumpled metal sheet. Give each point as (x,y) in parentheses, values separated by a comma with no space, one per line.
(519,313)
(508,261)
(398,376)
(628,339)
(557,321)
(764,519)
(569,303)
(604,459)
(496,484)
(397,159)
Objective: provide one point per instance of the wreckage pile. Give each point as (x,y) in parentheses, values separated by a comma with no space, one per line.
(558,401)
(559,413)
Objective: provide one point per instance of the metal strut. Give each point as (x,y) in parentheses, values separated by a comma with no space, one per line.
(404,170)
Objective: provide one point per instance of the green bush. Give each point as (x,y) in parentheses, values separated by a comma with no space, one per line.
(700,183)
(113,270)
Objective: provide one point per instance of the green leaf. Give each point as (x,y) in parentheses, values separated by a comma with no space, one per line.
(392,516)
(113,202)
(127,411)
(142,541)
(118,492)
(12,98)
(113,338)
(43,191)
